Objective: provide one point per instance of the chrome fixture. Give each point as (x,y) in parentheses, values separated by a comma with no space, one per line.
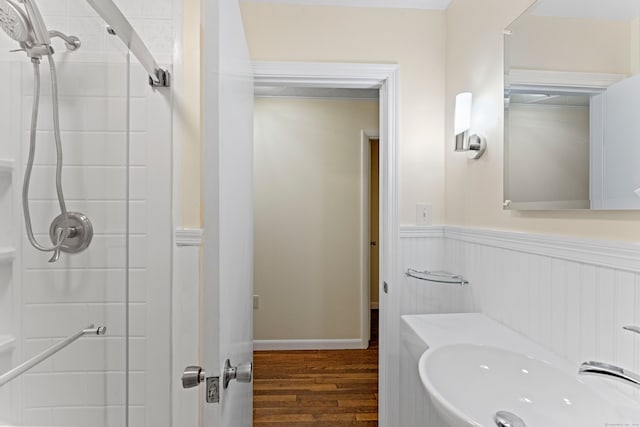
(476,145)
(612,371)
(194,375)
(507,419)
(241,373)
(24,367)
(437,276)
(26,26)
(79,234)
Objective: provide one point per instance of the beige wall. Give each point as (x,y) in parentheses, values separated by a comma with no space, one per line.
(414,39)
(191,140)
(570,44)
(307,217)
(473,189)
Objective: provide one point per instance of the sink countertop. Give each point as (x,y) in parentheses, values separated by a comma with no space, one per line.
(437,330)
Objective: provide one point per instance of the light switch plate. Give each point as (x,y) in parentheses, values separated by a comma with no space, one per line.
(424,214)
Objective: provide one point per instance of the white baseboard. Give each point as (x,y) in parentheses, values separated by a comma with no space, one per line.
(342,344)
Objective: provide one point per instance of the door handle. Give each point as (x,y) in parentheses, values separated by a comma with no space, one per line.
(373,243)
(241,373)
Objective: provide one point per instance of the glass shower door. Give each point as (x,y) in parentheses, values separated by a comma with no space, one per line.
(89,382)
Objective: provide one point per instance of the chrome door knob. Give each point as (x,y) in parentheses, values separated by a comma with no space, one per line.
(192,376)
(241,373)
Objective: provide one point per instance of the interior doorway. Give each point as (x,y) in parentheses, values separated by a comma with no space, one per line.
(385,79)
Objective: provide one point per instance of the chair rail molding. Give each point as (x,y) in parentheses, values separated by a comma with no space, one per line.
(612,254)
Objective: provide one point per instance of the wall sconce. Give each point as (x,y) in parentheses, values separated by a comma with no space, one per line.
(474,144)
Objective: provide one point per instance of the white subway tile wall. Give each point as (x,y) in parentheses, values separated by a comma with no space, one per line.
(573,301)
(40,303)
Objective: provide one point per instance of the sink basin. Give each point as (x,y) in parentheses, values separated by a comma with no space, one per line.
(470,383)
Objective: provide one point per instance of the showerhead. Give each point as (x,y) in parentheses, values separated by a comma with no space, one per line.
(15,22)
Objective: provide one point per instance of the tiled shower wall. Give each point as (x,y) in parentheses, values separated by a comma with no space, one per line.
(84,385)
(571,296)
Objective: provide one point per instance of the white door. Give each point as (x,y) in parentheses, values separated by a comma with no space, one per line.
(226,306)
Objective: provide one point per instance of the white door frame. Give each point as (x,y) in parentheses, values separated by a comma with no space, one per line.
(365,76)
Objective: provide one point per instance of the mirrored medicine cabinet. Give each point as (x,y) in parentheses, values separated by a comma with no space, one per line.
(572,106)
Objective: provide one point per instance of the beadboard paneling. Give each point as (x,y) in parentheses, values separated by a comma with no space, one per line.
(571,296)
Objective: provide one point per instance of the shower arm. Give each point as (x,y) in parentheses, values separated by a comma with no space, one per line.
(72,42)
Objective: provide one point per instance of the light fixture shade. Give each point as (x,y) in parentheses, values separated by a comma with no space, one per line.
(462,121)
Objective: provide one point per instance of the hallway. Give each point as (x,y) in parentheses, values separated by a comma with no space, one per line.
(317,388)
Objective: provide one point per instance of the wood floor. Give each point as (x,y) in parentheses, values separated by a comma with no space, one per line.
(317,388)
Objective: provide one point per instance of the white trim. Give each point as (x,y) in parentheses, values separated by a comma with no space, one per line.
(189,236)
(411,231)
(321,74)
(339,344)
(568,79)
(392,4)
(610,254)
(385,77)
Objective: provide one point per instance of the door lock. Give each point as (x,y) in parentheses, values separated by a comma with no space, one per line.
(194,375)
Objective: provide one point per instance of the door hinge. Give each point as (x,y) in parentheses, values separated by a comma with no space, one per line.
(213,389)
(385,287)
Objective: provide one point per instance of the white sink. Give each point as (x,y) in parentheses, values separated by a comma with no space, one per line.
(470,383)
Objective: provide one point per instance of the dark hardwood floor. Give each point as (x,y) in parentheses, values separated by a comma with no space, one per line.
(317,388)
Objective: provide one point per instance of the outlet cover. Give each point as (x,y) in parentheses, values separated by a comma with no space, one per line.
(424,214)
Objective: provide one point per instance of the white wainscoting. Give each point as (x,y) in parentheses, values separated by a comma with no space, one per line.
(185,314)
(570,295)
(422,248)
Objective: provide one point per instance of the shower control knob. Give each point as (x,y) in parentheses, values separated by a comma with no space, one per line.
(79,233)
(192,376)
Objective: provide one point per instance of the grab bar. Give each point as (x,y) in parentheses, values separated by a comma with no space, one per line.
(24,367)
(437,276)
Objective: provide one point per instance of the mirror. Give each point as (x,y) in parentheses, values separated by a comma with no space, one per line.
(572,106)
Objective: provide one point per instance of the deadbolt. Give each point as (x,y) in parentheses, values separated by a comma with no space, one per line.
(192,376)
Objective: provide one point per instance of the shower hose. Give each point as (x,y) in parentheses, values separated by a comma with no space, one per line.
(61,233)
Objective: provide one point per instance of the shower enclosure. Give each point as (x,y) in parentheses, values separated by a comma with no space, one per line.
(84,339)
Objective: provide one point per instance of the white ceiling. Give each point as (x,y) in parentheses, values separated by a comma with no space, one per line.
(397,4)
(598,9)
